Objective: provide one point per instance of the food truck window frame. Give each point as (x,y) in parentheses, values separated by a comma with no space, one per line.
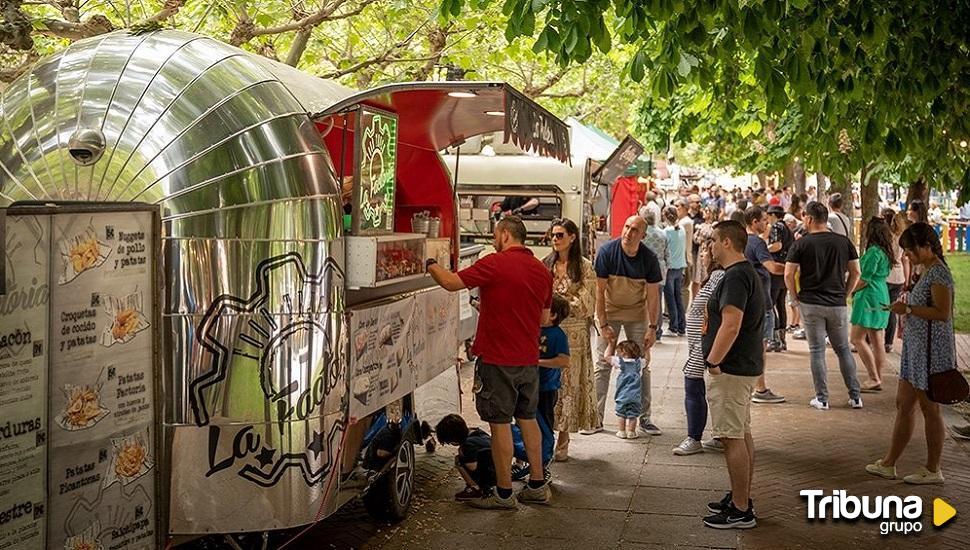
(390,191)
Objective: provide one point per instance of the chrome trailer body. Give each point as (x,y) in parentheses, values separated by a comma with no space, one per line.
(254,375)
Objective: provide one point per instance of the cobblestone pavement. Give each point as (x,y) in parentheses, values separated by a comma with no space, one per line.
(637,494)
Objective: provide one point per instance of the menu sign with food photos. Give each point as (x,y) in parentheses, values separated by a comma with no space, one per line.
(23,382)
(101,391)
(398,346)
(382,355)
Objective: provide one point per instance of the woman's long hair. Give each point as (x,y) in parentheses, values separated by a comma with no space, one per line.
(922,235)
(574,258)
(878,234)
(670,214)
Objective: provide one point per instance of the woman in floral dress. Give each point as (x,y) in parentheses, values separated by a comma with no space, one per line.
(928,348)
(573,278)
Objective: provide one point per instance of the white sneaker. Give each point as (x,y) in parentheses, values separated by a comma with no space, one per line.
(622,434)
(924,477)
(688,446)
(820,405)
(632,435)
(713,445)
(855,403)
(591,431)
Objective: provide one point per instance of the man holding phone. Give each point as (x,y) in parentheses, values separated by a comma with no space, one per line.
(828,264)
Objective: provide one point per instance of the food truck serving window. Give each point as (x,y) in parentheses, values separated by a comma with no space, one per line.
(376,162)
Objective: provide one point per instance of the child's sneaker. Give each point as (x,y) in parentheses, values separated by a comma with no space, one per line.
(632,435)
(520,472)
(622,434)
(468,493)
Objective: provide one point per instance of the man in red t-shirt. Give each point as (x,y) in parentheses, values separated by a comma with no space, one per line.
(516,294)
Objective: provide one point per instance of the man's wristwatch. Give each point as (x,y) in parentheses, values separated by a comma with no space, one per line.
(652,326)
(429,262)
(710,365)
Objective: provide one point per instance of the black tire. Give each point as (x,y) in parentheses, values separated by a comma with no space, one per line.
(389,498)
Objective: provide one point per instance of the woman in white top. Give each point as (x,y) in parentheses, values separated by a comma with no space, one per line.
(900,270)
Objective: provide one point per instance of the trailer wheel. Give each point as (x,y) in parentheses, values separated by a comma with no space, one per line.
(389,498)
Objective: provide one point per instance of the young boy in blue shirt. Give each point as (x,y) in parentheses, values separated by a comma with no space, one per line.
(553,356)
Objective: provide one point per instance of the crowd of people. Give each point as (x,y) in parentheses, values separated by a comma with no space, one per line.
(735,274)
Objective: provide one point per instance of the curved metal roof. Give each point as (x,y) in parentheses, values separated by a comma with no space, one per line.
(185,121)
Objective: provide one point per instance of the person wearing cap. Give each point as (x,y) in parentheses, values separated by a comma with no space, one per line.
(780,239)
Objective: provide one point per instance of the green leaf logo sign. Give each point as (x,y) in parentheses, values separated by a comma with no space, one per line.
(378,150)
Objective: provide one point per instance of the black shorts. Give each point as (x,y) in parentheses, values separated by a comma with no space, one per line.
(505,392)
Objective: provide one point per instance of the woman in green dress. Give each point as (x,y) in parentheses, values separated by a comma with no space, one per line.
(870,300)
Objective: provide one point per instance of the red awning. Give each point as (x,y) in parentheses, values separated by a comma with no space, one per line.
(434,118)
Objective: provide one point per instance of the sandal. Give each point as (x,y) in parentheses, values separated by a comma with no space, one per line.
(875,388)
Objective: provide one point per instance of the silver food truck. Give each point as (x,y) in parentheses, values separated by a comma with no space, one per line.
(214,316)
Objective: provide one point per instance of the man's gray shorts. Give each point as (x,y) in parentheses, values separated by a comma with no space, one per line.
(505,392)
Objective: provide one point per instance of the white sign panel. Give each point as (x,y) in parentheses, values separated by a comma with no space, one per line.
(102,463)
(23,383)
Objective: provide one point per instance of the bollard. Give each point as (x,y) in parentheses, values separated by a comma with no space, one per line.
(961,234)
(952,236)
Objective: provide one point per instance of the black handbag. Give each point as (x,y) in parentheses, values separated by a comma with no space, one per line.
(948,387)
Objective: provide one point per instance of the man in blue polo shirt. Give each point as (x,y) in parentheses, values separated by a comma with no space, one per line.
(627,293)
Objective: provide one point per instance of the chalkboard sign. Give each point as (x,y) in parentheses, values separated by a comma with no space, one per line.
(623,156)
(376,163)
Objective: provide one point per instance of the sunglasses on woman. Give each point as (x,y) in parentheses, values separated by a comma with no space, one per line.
(559,235)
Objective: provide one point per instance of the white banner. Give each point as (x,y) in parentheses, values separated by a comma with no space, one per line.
(101,405)
(23,383)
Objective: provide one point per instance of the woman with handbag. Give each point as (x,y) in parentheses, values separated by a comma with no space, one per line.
(927,372)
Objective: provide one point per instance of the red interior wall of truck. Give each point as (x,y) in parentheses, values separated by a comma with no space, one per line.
(423,182)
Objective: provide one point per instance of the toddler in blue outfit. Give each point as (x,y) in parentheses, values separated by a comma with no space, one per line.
(628,358)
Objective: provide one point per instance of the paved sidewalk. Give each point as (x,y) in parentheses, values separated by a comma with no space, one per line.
(637,494)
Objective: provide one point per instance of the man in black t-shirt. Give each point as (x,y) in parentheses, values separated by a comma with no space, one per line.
(756,252)
(780,239)
(822,259)
(732,345)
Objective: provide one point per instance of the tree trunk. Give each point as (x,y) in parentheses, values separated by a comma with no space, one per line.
(820,190)
(795,176)
(918,190)
(762,180)
(299,46)
(870,199)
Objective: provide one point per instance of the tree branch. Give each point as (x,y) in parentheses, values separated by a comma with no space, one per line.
(8,75)
(326,13)
(382,58)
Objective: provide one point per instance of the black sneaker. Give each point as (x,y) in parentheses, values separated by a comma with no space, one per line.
(732,518)
(520,472)
(719,506)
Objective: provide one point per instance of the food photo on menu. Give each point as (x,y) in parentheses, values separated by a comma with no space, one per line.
(127,319)
(82,408)
(81,253)
(86,540)
(129,459)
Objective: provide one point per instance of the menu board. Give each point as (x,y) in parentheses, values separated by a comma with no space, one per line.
(101,405)
(376,158)
(23,383)
(398,346)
